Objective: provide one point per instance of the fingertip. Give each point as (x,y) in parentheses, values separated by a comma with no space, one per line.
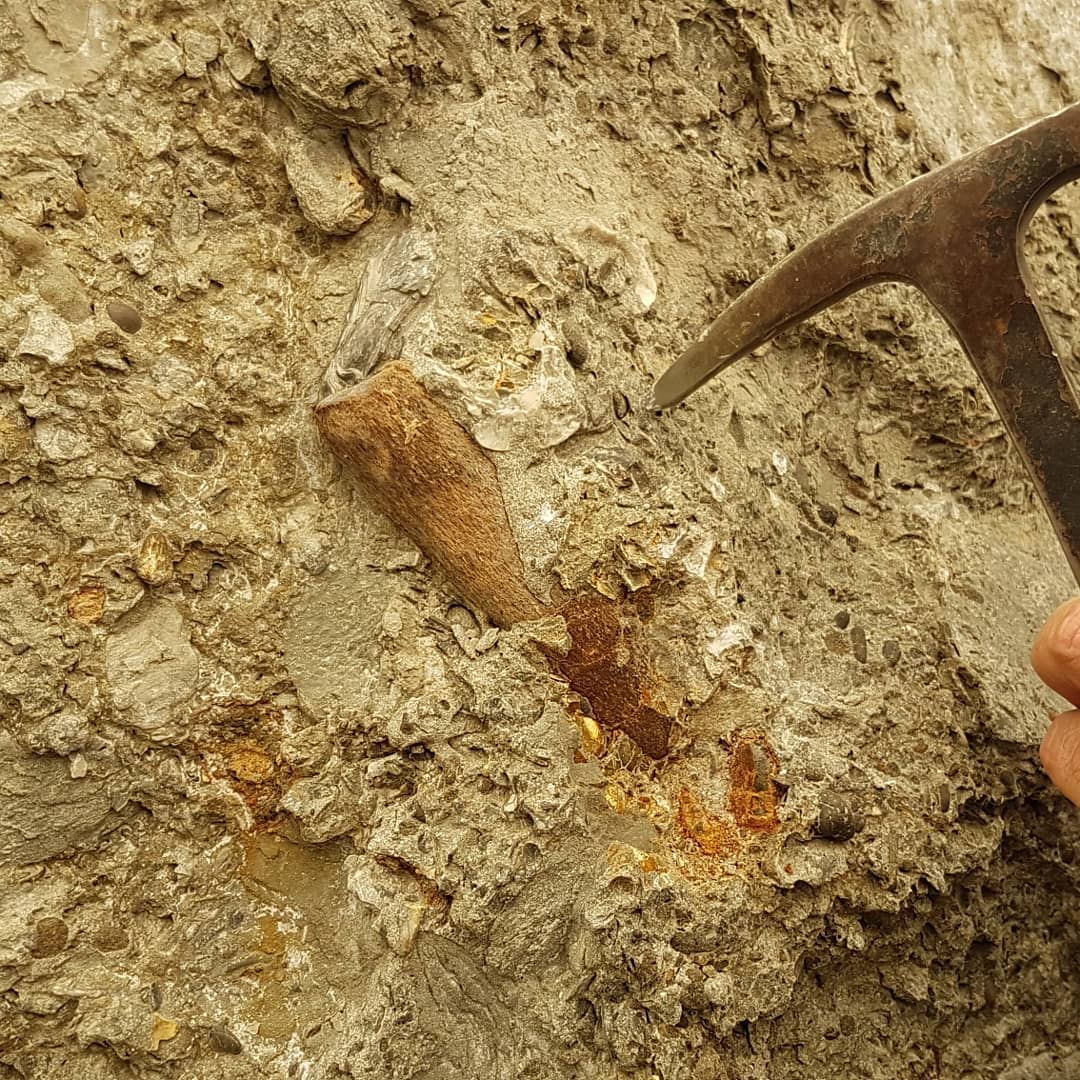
(1060,754)
(1055,655)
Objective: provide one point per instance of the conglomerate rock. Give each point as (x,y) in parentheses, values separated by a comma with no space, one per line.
(273,801)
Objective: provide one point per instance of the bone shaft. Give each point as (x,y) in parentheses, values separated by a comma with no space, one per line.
(417,465)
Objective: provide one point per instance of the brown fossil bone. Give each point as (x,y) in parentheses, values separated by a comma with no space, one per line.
(422,469)
(418,466)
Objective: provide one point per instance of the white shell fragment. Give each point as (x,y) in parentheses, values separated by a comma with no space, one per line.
(544,413)
(47,336)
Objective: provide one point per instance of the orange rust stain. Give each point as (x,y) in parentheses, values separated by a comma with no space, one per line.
(241,744)
(271,939)
(754,793)
(624,858)
(608,666)
(87,605)
(250,763)
(713,835)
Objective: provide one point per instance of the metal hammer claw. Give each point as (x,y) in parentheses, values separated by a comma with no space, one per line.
(955,233)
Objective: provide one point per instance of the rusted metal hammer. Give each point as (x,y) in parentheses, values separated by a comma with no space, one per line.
(956,234)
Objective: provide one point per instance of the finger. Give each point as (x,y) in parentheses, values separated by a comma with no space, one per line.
(1056,652)
(1060,753)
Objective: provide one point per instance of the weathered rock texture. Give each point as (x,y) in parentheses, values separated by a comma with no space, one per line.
(273,801)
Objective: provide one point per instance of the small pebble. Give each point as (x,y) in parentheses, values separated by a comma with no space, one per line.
(245,68)
(397,188)
(124,315)
(162,63)
(577,342)
(827,514)
(777,241)
(26,242)
(50,937)
(224,1041)
(890,650)
(858,643)
(837,820)
(57,443)
(327,188)
(154,563)
(110,939)
(842,619)
(47,336)
(199,50)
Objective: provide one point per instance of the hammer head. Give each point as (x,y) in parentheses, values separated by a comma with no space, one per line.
(955,234)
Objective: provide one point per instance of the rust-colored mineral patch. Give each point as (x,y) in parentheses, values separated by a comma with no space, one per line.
(242,746)
(710,833)
(608,665)
(87,605)
(754,793)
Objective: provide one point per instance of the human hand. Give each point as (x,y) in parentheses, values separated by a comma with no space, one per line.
(1056,658)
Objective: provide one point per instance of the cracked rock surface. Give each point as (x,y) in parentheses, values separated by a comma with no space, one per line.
(274,801)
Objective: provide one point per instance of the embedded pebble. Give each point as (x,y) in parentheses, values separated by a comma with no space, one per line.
(777,242)
(87,605)
(124,315)
(62,733)
(858,643)
(224,1041)
(154,562)
(397,188)
(199,50)
(246,68)
(50,938)
(24,240)
(322,175)
(828,514)
(577,342)
(152,669)
(837,819)
(63,291)
(162,63)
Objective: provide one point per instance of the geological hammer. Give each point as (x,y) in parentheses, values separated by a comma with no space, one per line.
(956,234)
